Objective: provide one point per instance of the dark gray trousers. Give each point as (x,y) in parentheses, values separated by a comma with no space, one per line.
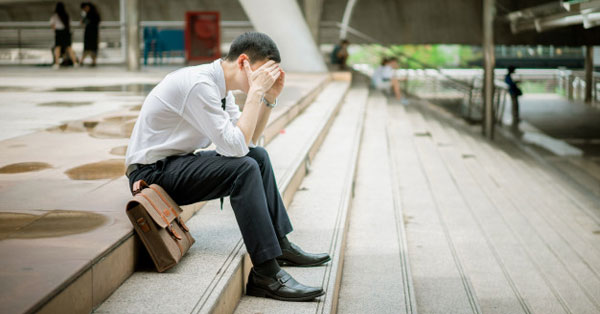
(249,181)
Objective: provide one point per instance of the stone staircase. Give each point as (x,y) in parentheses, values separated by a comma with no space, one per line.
(417,210)
(211,277)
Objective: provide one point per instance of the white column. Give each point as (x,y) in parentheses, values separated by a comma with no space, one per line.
(123,30)
(282,20)
(346,18)
(132,21)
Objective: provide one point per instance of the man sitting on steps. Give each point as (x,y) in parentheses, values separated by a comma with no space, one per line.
(194,107)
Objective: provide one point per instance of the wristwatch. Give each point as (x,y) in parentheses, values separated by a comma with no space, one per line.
(268,104)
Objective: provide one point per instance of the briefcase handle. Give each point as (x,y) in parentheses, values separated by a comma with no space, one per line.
(138,186)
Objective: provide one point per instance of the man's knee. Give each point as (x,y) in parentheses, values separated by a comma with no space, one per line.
(259,154)
(248,164)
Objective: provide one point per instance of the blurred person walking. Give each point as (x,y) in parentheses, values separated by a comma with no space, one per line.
(91,20)
(60,23)
(384,78)
(515,92)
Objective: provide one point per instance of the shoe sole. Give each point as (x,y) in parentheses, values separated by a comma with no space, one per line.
(258,292)
(285,262)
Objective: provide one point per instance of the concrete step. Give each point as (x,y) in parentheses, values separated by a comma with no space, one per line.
(584,173)
(549,228)
(320,211)
(439,275)
(376,264)
(211,277)
(562,183)
(484,242)
(543,258)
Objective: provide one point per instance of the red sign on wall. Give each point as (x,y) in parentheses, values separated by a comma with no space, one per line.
(202,36)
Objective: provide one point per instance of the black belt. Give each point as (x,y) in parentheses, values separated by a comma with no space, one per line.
(133,167)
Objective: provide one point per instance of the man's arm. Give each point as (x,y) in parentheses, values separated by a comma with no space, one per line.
(249,118)
(263,118)
(265,111)
(260,81)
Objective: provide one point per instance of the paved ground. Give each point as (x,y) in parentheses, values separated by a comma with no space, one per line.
(37,98)
(574,122)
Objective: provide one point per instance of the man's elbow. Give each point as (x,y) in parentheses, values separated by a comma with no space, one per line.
(234,151)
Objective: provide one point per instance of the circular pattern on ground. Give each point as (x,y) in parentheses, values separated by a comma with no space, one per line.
(55,223)
(24,167)
(68,104)
(106,169)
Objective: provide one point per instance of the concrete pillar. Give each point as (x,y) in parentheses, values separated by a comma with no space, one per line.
(123,30)
(488,67)
(132,26)
(282,20)
(346,18)
(312,13)
(589,73)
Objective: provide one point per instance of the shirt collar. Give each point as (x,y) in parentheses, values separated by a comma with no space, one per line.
(219,77)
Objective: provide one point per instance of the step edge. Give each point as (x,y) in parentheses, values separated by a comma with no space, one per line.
(341,230)
(470,295)
(407,282)
(289,184)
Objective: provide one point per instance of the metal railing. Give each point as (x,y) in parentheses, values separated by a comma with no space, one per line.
(572,85)
(437,79)
(30,42)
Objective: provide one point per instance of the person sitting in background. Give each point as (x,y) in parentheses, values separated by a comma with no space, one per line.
(384,78)
(91,20)
(340,54)
(515,92)
(60,24)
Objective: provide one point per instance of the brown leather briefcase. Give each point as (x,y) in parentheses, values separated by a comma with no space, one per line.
(155,217)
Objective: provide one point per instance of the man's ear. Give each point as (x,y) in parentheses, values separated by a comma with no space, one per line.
(240,60)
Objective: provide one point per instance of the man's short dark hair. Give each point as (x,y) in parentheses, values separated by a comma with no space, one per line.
(257,46)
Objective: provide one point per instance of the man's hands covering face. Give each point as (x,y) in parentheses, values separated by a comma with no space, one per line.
(262,78)
(268,79)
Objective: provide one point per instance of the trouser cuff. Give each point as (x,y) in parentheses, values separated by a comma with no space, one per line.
(265,255)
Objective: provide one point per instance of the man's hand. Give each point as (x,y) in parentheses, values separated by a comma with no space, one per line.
(275,90)
(263,78)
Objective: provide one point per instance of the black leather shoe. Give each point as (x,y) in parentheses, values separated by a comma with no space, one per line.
(281,287)
(295,256)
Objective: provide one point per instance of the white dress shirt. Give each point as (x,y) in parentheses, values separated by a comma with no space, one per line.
(184,113)
(382,77)
(58,24)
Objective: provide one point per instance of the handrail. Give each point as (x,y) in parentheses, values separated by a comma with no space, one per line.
(108,24)
(375,41)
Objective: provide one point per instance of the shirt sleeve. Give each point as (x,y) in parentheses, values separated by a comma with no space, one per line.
(203,110)
(232,108)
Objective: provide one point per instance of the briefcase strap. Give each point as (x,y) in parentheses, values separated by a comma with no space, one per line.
(138,186)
